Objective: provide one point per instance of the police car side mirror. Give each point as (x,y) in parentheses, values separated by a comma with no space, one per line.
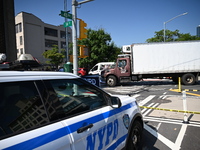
(115,102)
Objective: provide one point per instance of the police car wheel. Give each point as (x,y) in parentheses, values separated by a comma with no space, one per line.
(135,138)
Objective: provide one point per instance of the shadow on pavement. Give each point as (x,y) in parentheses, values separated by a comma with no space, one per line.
(148,141)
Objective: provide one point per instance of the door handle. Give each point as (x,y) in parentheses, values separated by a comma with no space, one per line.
(84,128)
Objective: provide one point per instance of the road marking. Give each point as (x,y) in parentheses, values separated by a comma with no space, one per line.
(143,110)
(158,126)
(176,90)
(181,135)
(192,94)
(146,100)
(172,110)
(155,105)
(136,95)
(163,96)
(163,139)
(191,90)
(170,121)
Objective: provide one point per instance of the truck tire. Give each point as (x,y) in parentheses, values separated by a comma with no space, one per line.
(135,137)
(188,79)
(111,81)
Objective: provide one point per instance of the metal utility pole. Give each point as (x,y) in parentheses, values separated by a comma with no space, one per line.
(74,37)
(66,32)
(171,20)
(74,34)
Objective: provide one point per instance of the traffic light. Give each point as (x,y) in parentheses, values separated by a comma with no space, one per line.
(83,51)
(82,30)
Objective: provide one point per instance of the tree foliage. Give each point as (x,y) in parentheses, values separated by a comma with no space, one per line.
(101,48)
(55,57)
(171,36)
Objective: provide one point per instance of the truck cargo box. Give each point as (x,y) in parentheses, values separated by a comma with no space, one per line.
(169,57)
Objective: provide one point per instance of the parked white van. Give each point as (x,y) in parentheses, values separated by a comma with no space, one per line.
(100,66)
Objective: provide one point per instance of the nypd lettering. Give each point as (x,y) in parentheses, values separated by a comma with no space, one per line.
(108,132)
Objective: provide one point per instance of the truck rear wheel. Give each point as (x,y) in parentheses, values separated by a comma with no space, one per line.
(111,81)
(188,79)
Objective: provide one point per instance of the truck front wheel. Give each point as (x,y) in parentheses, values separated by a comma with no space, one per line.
(188,79)
(111,81)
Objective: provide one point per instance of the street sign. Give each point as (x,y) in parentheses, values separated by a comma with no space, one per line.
(67,24)
(66,14)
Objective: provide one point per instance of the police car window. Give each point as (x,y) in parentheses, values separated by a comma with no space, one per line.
(77,96)
(20,107)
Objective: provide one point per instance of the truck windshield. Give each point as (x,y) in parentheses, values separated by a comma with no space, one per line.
(122,63)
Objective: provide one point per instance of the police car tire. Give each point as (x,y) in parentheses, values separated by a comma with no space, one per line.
(135,137)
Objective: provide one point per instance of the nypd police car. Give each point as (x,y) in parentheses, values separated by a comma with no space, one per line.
(58,110)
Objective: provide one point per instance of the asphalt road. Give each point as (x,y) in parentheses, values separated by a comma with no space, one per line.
(166,129)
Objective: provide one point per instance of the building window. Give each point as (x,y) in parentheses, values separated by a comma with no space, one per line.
(51,32)
(20,40)
(50,43)
(18,27)
(63,44)
(62,34)
(69,36)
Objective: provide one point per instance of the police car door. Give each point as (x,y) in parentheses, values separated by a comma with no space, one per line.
(24,123)
(89,118)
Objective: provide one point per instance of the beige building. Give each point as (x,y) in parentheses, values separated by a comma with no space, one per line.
(33,36)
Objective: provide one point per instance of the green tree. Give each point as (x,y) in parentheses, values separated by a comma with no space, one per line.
(54,56)
(101,48)
(187,37)
(171,36)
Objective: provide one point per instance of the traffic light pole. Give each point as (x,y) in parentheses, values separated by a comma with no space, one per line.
(74,37)
(74,34)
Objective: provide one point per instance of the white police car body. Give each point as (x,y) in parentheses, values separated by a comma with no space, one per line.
(56,110)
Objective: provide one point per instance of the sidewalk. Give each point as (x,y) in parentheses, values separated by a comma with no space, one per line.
(176,103)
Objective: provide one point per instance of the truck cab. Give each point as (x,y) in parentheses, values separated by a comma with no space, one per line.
(121,72)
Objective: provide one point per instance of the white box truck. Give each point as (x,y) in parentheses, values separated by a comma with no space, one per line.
(169,59)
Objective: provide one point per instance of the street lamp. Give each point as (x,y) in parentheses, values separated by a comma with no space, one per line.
(171,20)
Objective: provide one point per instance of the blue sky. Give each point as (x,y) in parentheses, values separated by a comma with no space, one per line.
(127,21)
